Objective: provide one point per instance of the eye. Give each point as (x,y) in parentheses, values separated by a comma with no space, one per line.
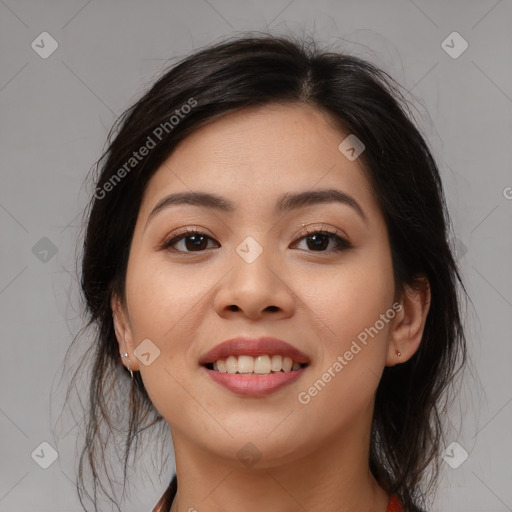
(323,240)
(189,240)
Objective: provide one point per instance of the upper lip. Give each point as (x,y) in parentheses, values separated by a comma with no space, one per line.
(254,347)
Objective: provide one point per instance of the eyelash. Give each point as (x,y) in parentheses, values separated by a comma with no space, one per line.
(342,243)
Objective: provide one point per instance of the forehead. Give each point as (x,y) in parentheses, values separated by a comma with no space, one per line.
(254,155)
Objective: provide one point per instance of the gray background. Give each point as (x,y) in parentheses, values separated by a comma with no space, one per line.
(55,114)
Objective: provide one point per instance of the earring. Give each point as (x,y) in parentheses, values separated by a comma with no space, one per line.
(398,353)
(126,355)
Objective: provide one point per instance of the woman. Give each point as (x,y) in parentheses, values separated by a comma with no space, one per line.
(267,255)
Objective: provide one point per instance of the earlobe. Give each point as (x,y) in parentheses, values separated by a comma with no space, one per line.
(409,323)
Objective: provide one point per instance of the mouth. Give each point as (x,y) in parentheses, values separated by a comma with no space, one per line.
(252,384)
(254,367)
(264,364)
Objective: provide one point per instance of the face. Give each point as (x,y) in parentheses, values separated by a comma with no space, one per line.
(316,274)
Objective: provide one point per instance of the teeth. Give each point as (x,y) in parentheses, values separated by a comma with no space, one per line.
(276,363)
(245,364)
(260,365)
(231,364)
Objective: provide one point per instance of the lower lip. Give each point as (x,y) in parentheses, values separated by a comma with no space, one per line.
(254,385)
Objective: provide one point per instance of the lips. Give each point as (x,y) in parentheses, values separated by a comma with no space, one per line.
(253,347)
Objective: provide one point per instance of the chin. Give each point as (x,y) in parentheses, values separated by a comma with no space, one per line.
(257,445)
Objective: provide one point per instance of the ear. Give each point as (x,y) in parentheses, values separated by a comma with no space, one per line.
(124,333)
(409,322)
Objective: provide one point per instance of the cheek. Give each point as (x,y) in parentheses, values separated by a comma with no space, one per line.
(162,299)
(350,301)
(343,381)
(164,302)
(350,297)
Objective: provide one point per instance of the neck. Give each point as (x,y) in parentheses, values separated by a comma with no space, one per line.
(333,476)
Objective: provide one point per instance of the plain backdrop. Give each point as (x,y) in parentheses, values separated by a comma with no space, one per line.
(56,110)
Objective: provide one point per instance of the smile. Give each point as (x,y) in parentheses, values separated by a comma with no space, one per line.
(260,365)
(254,376)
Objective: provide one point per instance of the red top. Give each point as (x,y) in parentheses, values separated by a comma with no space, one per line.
(394,504)
(165,502)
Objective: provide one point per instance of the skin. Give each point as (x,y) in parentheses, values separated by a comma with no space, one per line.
(314,457)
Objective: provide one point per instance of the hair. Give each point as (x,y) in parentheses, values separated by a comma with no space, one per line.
(361,99)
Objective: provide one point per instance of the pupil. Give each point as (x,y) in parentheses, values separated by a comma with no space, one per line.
(319,241)
(197,242)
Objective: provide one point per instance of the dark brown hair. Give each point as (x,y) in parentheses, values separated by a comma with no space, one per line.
(249,71)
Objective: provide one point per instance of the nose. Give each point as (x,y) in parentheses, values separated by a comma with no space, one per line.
(255,290)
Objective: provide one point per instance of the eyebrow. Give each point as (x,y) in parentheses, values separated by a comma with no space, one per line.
(285,203)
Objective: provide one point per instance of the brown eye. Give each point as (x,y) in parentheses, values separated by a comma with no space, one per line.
(324,241)
(190,241)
